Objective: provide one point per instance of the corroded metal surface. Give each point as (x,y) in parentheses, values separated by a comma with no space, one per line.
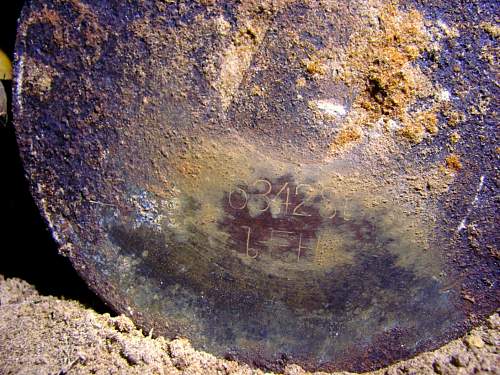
(279,181)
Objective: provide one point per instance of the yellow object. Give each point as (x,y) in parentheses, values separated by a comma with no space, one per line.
(474,341)
(5,67)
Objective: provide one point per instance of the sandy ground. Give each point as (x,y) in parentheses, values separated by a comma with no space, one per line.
(48,335)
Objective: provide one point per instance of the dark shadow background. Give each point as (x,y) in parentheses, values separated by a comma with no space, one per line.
(27,250)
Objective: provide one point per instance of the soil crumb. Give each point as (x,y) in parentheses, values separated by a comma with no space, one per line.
(453,162)
(48,335)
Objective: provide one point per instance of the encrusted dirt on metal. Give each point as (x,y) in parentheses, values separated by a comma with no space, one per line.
(279,181)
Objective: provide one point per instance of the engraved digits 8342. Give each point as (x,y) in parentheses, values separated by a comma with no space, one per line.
(290,200)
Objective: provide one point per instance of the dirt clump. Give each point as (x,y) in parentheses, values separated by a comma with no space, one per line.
(453,162)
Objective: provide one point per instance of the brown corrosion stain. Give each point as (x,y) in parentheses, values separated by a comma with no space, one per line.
(424,122)
(453,162)
(314,66)
(382,59)
(91,31)
(381,63)
(345,137)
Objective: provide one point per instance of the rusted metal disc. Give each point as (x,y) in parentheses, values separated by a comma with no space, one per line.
(278,181)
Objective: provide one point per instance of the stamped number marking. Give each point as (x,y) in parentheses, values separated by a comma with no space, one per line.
(303,195)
